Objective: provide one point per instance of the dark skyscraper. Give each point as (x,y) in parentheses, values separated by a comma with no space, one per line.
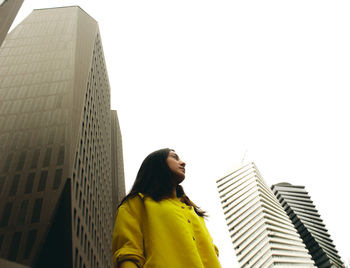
(61,165)
(304,215)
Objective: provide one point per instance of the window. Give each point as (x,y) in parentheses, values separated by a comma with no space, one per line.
(42,180)
(60,158)
(16,239)
(51,136)
(76,258)
(35,159)
(8,160)
(47,157)
(6,213)
(26,138)
(37,210)
(78,226)
(21,160)
(29,183)
(22,212)
(14,185)
(30,242)
(57,179)
(1,240)
(2,182)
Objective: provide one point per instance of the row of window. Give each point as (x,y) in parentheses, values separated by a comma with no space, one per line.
(79,263)
(29,182)
(28,58)
(32,161)
(22,212)
(31,105)
(31,91)
(38,78)
(15,244)
(34,120)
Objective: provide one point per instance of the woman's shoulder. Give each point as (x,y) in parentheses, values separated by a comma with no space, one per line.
(133,203)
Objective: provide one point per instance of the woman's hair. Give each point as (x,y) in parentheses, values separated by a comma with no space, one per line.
(156,180)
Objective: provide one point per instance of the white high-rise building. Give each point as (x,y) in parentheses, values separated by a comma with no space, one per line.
(261,232)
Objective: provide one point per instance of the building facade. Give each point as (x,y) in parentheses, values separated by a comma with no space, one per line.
(303,213)
(60,144)
(8,12)
(261,232)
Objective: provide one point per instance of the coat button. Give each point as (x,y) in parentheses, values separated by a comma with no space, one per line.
(182,207)
(194,238)
(189,221)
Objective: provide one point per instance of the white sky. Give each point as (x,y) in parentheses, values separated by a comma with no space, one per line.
(216,79)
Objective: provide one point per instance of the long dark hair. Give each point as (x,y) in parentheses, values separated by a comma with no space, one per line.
(156,180)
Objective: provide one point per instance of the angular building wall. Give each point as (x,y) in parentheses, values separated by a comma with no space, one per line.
(298,204)
(118,182)
(261,232)
(56,143)
(8,12)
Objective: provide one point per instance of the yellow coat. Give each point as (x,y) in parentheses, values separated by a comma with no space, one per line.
(164,234)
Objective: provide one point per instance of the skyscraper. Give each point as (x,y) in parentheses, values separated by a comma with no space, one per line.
(261,232)
(298,204)
(8,12)
(61,166)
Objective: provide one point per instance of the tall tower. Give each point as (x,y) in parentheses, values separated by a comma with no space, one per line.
(8,12)
(58,143)
(261,232)
(298,204)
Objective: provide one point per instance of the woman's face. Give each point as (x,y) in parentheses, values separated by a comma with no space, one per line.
(176,165)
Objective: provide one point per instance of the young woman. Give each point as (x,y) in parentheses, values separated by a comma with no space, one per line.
(157,225)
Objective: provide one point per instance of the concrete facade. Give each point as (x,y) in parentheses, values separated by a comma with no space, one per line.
(8,12)
(261,232)
(303,213)
(57,143)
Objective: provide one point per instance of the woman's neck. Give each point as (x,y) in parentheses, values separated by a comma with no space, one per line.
(173,193)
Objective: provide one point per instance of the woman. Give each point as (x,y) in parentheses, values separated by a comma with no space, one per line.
(157,225)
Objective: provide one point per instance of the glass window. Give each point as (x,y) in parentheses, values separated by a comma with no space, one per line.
(60,158)
(35,158)
(51,136)
(26,138)
(57,179)
(21,160)
(47,157)
(7,164)
(22,212)
(14,185)
(16,239)
(42,180)
(30,242)
(1,240)
(76,258)
(6,213)
(29,184)
(2,182)
(37,210)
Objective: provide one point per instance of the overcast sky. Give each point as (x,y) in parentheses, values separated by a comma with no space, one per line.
(226,81)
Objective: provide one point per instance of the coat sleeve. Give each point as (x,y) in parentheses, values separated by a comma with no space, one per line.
(127,241)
